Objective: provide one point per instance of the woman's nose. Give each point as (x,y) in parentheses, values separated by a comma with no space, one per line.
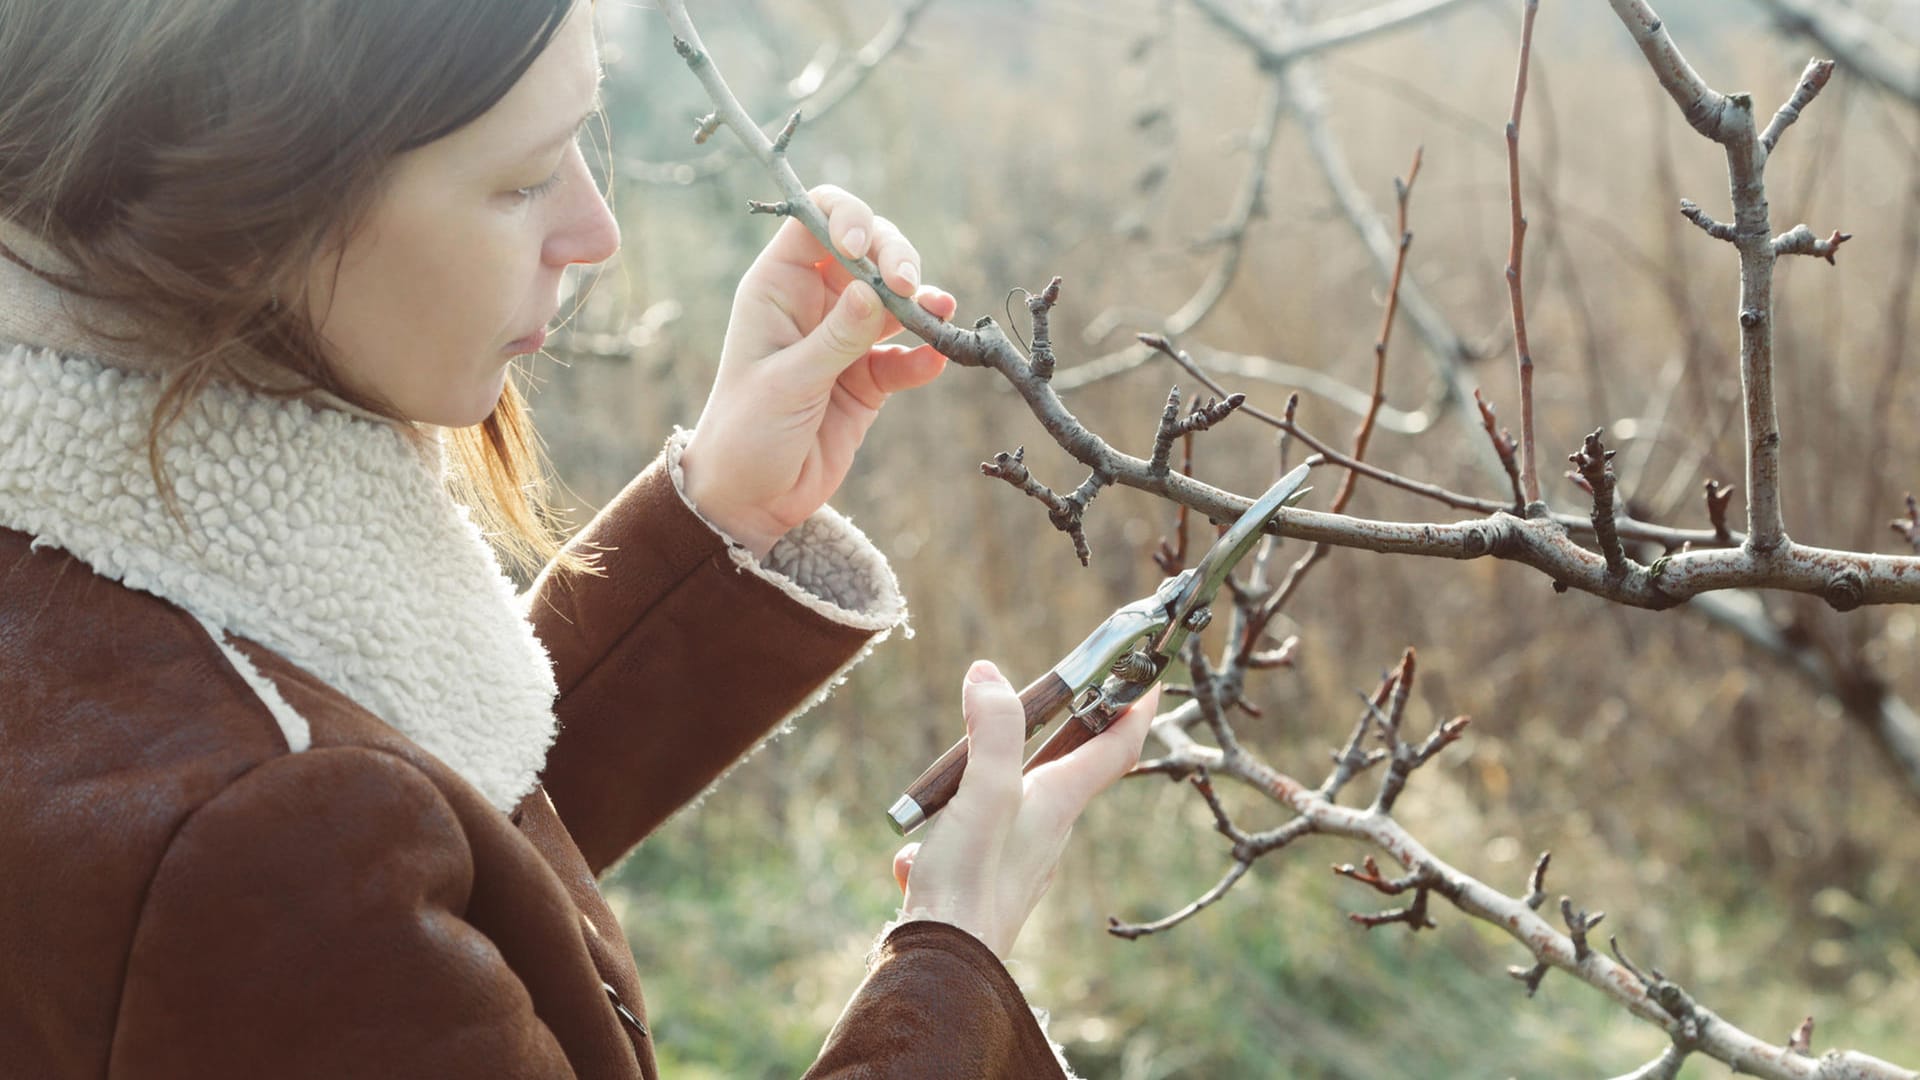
(585,231)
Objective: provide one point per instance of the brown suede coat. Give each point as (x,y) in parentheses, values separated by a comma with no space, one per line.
(180,896)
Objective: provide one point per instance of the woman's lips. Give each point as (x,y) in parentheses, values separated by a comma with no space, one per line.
(529,344)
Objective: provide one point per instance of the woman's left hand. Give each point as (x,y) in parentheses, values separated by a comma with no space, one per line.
(802,374)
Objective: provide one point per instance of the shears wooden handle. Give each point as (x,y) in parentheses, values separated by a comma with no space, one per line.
(1042,699)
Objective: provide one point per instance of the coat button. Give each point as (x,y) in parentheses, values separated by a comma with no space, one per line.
(620,1007)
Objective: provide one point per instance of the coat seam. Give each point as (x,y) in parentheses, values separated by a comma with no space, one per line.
(614,643)
(255,704)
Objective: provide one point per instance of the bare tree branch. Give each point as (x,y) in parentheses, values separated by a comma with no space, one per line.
(1321,385)
(1523,355)
(1446,350)
(1800,240)
(1718,497)
(1894,724)
(1909,526)
(1275,51)
(1594,463)
(1507,447)
(1801,1041)
(1729,121)
(1130,931)
(1858,42)
(1402,190)
(1277,56)
(1664,1067)
(1651,997)
(1812,81)
(1040,308)
(1844,579)
(1715,229)
(1064,511)
(833,90)
(1230,236)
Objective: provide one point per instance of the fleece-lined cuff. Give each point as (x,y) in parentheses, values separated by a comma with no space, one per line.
(825,563)
(1040,1016)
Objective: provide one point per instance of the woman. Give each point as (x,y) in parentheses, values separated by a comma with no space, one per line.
(294,784)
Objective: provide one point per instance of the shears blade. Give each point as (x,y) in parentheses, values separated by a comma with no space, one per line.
(1234,544)
(1240,537)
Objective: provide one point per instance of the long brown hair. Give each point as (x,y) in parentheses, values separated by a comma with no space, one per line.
(189,159)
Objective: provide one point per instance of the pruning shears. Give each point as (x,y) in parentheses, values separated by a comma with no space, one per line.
(1125,654)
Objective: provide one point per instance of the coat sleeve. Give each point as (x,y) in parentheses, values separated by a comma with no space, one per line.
(686,651)
(936,1002)
(309,921)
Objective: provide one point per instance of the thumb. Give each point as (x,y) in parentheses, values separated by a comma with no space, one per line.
(903,863)
(996,734)
(847,333)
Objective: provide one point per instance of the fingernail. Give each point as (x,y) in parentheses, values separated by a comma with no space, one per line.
(855,242)
(983,671)
(912,274)
(860,302)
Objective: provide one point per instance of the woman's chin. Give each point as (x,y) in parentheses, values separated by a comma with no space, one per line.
(467,410)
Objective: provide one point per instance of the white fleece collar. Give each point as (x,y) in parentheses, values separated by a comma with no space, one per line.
(326,537)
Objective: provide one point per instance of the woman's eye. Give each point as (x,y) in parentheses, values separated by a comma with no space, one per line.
(539,189)
(528,194)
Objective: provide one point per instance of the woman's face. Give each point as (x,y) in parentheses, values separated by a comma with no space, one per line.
(456,270)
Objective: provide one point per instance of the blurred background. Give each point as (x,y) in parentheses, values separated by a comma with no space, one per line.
(1729,806)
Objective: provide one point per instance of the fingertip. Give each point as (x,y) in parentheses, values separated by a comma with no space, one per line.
(935,364)
(1148,704)
(937,302)
(909,275)
(903,863)
(861,299)
(854,242)
(1091,768)
(996,728)
(914,370)
(1138,721)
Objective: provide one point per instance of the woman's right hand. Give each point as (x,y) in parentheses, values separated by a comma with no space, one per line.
(990,855)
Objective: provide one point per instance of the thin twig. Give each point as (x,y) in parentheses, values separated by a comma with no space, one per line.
(1729,121)
(834,90)
(1863,46)
(1230,236)
(1718,497)
(1909,526)
(1715,229)
(1040,307)
(1402,191)
(1537,882)
(1664,1067)
(1065,512)
(1595,464)
(1448,352)
(1801,1041)
(1529,468)
(1506,447)
(1131,931)
(1801,240)
(1812,80)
